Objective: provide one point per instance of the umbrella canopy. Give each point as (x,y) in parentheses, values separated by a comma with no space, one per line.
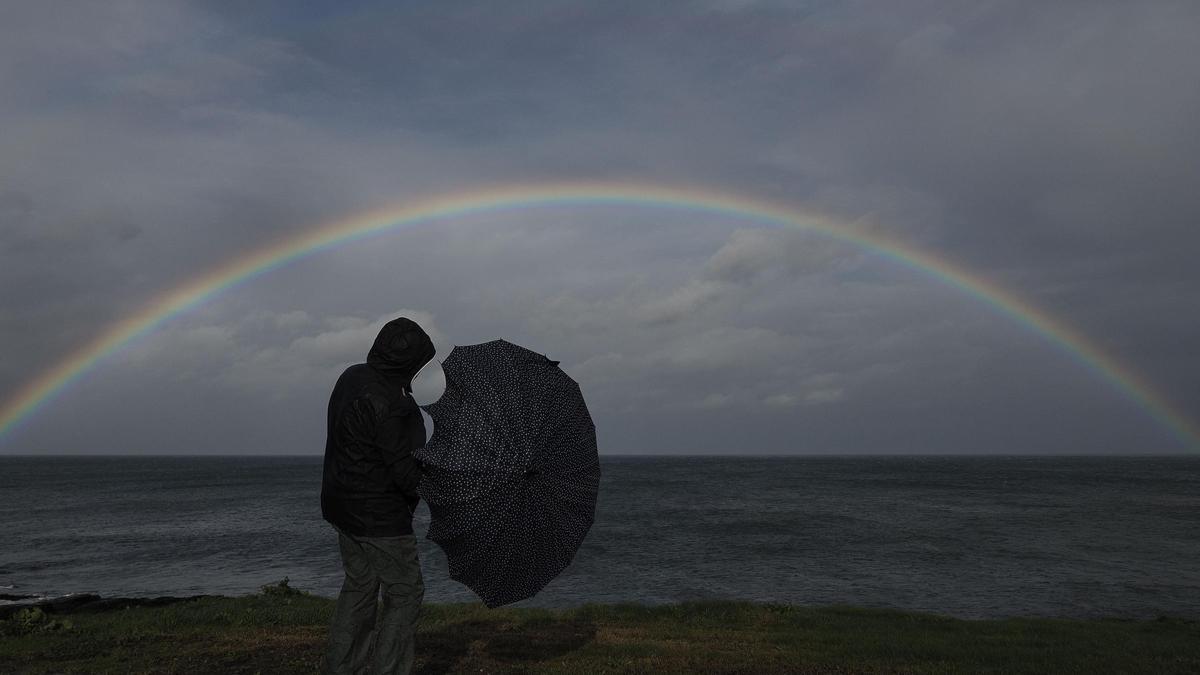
(511,472)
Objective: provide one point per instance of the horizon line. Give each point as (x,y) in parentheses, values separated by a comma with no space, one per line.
(1181,453)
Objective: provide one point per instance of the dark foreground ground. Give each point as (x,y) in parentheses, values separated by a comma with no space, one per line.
(283,631)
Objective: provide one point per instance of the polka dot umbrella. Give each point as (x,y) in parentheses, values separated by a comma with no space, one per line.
(511,472)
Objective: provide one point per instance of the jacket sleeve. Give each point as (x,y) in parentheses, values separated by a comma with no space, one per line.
(398,438)
(359,424)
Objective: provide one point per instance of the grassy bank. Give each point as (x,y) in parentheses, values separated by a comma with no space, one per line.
(284,632)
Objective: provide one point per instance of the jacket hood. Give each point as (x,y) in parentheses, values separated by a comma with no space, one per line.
(400,350)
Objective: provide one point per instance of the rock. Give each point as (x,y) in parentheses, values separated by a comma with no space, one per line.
(108,604)
(66,603)
(90,602)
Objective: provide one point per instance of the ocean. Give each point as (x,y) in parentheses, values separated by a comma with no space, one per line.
(973,537)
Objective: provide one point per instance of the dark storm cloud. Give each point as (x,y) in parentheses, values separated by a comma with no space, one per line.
(1050,148)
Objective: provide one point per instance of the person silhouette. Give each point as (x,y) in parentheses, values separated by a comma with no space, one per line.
(368,494)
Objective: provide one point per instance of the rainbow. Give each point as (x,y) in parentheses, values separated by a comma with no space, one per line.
(36,393)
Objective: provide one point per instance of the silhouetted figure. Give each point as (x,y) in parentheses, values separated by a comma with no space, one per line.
(369,493)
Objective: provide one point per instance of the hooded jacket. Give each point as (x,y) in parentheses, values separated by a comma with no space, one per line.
(369,486)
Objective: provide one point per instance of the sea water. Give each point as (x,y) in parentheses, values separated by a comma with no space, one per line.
(964,536)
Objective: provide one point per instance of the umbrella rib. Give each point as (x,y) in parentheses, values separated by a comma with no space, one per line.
(516,473)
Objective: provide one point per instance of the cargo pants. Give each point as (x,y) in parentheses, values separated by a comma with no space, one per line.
(358,641)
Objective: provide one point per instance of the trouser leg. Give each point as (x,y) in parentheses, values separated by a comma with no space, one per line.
(353,621)
(395,560)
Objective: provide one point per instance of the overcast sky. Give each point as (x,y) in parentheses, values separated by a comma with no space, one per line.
(1051,148)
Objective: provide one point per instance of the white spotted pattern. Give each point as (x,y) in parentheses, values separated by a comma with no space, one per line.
(511,471)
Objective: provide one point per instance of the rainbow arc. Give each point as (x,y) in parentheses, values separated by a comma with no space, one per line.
(25,402)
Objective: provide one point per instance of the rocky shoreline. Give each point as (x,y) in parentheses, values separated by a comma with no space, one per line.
(78,603)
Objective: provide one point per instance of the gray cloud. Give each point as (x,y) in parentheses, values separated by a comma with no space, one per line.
(1048,148)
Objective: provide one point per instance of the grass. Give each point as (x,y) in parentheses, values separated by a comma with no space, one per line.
(283,631)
